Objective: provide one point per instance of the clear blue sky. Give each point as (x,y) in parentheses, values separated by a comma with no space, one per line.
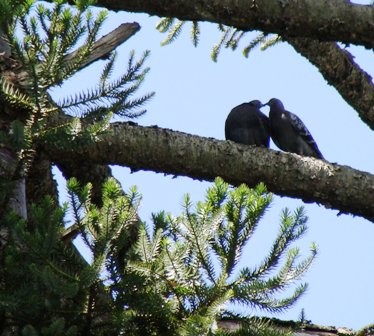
(194,95)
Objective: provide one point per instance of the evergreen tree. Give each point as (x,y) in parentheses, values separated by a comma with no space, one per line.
(174,278)
(180,275)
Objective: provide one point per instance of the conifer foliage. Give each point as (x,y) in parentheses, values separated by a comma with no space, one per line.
(182,277)
(194,260)
(42,39)
(230,37)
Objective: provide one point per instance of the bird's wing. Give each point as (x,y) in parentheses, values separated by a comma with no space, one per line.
(298,125)
(301,129)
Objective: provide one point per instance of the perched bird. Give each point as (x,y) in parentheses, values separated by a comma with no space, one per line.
(289,133)
(246,124)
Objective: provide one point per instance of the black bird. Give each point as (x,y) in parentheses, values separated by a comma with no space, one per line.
(289,133)
(246,124)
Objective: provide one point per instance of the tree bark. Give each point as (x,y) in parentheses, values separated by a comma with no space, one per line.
(318,19)
(166,151)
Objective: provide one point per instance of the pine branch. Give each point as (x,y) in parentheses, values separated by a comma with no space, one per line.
(244,209)
(111,97)
(197,230)
(292,228)
(174,32)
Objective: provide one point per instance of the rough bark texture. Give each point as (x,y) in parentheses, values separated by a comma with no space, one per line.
(166,151)
(325,20)
(339,69)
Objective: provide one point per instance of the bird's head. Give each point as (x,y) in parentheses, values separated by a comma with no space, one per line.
(256,103)
(274,102)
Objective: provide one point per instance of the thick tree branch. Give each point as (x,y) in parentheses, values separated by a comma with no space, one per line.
(318,19)
(339,69)
(166,151)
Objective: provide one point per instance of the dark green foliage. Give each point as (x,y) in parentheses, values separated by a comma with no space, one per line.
(49,33)
(366,331)
(104,230)
(108,232)
(42,290)
(180,277)
(183,272)
(10,9)
(46,287)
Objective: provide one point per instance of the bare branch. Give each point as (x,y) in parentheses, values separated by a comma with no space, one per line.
(166,151)
(103,46)
(339,69)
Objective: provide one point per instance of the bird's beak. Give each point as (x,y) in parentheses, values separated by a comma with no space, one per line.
(266,104)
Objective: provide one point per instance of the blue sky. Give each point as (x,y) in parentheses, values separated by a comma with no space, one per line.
(194,95)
